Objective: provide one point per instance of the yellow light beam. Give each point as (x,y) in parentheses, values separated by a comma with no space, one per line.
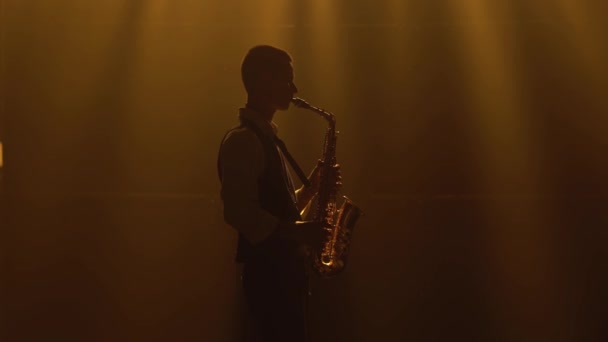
(520,253)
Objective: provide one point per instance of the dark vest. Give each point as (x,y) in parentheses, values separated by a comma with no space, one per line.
(275,198)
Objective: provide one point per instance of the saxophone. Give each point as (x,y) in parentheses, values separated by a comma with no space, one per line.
(330,257)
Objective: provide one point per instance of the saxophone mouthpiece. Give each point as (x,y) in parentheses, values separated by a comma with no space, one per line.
(298,102)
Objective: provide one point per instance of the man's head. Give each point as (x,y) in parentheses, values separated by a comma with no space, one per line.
(268,76)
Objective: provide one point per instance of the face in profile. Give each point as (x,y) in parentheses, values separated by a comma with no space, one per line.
(283,88)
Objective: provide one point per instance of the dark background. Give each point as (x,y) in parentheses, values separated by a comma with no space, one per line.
(473,136)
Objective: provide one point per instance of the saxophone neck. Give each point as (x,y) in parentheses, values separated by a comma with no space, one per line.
(298,102)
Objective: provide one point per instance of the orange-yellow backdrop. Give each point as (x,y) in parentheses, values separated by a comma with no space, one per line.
(472,134)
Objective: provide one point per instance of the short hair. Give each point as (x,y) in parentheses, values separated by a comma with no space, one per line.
(259,60)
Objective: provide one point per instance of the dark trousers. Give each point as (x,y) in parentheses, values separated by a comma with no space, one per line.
(277,296)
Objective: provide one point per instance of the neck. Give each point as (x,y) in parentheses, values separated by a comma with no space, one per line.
(265,110)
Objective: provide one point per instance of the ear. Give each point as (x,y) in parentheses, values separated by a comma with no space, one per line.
(264,78)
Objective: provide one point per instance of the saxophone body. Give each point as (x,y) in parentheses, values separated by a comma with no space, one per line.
(330,258)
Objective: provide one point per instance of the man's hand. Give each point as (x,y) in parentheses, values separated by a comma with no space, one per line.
(333,174)
(315,179)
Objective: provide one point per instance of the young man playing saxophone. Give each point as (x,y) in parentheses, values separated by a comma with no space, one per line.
(260,201)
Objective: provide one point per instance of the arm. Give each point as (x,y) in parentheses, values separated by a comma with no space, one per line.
(242,163)
(305,194)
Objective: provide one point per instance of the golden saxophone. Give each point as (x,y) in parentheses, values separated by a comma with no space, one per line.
(330,257)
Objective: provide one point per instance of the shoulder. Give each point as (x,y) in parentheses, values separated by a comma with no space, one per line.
(240,136)
(241,141)
(241,151)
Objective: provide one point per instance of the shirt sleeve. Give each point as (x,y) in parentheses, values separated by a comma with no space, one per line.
(241,164)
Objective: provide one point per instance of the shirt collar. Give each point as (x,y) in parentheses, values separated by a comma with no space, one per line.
(267,127)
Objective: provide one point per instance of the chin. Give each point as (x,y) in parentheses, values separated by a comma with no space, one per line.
(284,106)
